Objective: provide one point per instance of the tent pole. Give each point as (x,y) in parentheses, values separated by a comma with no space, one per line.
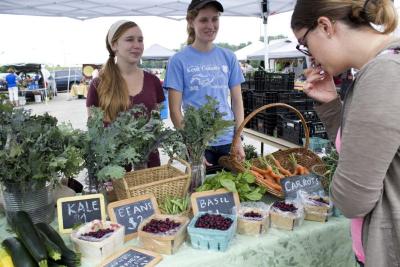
(266,59)
(265,14)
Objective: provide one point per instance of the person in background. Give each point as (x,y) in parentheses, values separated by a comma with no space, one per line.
(248,67)
(339,35)
(203,69)
(261,66)
(12,80)
(95,73)
(121,82)
(286,67)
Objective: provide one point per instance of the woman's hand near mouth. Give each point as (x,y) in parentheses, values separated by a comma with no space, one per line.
(319,85)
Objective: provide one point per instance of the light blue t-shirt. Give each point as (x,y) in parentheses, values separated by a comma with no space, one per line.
(197,74)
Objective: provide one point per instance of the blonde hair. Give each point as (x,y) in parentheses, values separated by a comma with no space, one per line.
(113,90)
(354,13)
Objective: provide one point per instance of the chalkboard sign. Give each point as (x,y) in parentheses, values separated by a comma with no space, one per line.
(215,201)
(77,210)
(132,211)
(310,183)
(132,257)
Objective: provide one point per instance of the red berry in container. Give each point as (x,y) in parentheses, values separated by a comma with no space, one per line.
(252,214)
(213,221)
(160,226)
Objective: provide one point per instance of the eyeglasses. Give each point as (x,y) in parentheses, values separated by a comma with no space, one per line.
(302,46)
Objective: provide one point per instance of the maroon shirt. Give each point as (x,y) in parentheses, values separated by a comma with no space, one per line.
(151,95)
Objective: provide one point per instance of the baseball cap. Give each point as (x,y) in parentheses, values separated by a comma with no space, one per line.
(197,4)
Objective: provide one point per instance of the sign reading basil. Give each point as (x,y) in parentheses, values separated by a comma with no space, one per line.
(310,183)
(77,210)
(215,201)
(132,211)
(132,257)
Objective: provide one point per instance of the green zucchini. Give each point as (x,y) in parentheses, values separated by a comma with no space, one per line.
(19,254)
(53,263)
(68,257)
(53,251)
(30,238)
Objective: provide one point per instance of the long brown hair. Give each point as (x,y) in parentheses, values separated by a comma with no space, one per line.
(190,16)
(113,90)
(354,13)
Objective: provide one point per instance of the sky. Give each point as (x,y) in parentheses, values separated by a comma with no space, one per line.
(68,42)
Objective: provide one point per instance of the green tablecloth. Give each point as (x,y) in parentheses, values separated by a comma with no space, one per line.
(312,244)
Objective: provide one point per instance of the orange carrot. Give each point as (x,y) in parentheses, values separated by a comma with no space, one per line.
(279,166)
(256,169)
(256,174)
(276,177)
(269,178)
(273,185)
(298,169)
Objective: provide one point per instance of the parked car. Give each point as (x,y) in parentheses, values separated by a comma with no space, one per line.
(65,79)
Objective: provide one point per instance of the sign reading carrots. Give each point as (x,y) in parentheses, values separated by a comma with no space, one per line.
(310,183)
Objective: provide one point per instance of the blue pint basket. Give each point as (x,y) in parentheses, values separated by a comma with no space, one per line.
(317,143)
(210,239)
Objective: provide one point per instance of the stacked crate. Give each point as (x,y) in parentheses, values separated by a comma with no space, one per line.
(264,88)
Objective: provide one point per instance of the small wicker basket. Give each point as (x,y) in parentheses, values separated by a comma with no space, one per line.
(164,181)
(303,155)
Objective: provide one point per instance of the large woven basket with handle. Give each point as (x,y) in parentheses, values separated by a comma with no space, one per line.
(164,181)
(303,155)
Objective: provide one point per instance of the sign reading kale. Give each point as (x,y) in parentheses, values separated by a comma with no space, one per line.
(310,183)
(218,201)
(77,210)
(132,211)
(133,257)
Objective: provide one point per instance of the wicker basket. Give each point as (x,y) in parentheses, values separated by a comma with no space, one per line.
(304,156)
(163,181)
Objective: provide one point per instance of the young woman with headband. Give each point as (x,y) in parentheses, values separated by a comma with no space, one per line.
(121,82)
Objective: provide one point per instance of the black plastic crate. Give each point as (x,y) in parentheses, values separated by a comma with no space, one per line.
(290,128)
(247,97)
(280,81)
(288,97)
(270,81)
(261,99)
(259,81)
(266,123)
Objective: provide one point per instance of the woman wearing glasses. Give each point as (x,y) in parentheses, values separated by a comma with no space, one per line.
(338,35)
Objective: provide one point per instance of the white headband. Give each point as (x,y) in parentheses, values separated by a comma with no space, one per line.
(113,29)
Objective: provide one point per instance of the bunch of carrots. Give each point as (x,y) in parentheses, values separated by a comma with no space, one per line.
(271,171)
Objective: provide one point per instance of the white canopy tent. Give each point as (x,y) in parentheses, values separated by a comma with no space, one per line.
(88,9)
(242,53)
(172,9)
(157,52)
(280,49)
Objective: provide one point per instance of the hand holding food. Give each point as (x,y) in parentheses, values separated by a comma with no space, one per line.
(319,85)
